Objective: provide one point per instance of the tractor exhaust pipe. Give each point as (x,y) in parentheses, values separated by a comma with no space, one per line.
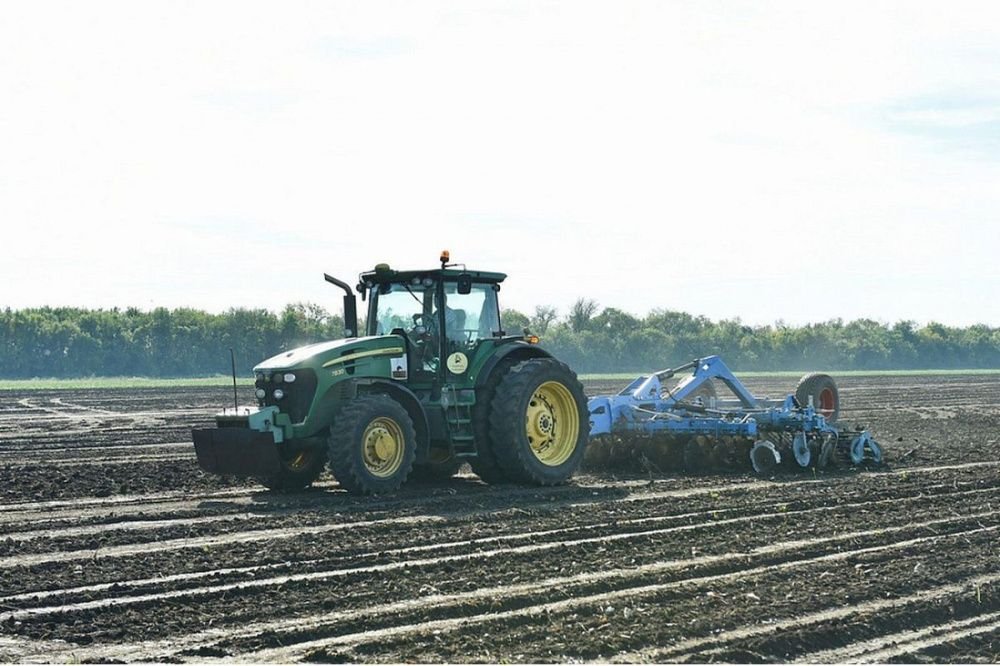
(350,307)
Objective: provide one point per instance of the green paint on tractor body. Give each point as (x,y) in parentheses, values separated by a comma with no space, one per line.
(433,340)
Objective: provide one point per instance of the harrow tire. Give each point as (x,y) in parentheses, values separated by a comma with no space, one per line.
(359,429)
(300,467)
(539,399)
(823,391)
(485,464)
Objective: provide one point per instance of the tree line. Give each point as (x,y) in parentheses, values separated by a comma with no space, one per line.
(183,342)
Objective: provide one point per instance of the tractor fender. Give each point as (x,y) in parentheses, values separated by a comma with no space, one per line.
(409,401)
(515,351)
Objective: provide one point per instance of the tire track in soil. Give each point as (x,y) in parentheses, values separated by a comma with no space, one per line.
(120,460)
(141,519)
(711,648)
(283,533)
(530,639)
(884,648)
(412,564)
(233,518)
(302,650)
(981,647)
(752,511)
(146,504)
(788,554)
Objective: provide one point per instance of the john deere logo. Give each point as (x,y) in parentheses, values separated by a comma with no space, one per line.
(458,363)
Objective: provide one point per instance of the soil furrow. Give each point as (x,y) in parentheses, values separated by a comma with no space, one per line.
(715,519)
(784,557)
(886,647)
(299,650)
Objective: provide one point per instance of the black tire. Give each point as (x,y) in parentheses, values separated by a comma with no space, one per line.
(824,393)
(358,428)
(300,466)
(542,396)
(485,463)
(435,469)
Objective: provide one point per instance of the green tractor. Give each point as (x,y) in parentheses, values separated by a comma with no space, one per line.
(435,382)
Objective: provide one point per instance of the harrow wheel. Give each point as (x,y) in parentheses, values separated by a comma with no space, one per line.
(538,422)
(300,466)
(822,390)
(372,445)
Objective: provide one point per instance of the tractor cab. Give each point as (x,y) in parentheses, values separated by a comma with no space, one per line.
(443,315)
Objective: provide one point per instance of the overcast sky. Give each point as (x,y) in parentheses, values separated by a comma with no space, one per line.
(794,161)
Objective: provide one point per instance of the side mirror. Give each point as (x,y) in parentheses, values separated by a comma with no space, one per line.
(465,283)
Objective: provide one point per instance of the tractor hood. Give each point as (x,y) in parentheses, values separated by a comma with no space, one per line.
(322,353)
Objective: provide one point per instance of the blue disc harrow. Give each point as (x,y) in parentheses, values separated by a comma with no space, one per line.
(689,426)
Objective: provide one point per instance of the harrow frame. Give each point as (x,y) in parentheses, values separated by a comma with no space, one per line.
(648,407)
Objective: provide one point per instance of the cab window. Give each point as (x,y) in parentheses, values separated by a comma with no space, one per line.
(471,317)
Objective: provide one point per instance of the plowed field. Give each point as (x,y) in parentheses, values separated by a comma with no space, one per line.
(115,547)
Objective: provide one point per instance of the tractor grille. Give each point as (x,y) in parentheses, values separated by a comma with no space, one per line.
(298,394)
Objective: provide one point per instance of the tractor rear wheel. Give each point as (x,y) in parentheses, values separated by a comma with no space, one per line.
(300,466)
(372,445)
(823,391)
(538,422)
(485,463)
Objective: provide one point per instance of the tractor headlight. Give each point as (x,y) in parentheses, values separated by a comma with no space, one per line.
(278,394)
(259,376)
(260,393)
(289,377)
(277,378)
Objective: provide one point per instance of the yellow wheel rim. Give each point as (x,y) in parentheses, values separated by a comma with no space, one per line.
(382,447)
(552,423)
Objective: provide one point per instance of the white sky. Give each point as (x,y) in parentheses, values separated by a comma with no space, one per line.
(795,161)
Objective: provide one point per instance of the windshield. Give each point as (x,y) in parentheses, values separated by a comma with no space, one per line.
(397,307)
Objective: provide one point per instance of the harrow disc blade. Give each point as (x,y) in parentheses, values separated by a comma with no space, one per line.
(695,459)
(875,451)
(764,456)
(801,450)
(858,447)
(827,452)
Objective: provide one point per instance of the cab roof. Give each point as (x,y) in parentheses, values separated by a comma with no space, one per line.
(388,274)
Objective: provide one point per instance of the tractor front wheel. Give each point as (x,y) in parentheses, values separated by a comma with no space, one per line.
(300,466)
(538,422)
(372,445)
